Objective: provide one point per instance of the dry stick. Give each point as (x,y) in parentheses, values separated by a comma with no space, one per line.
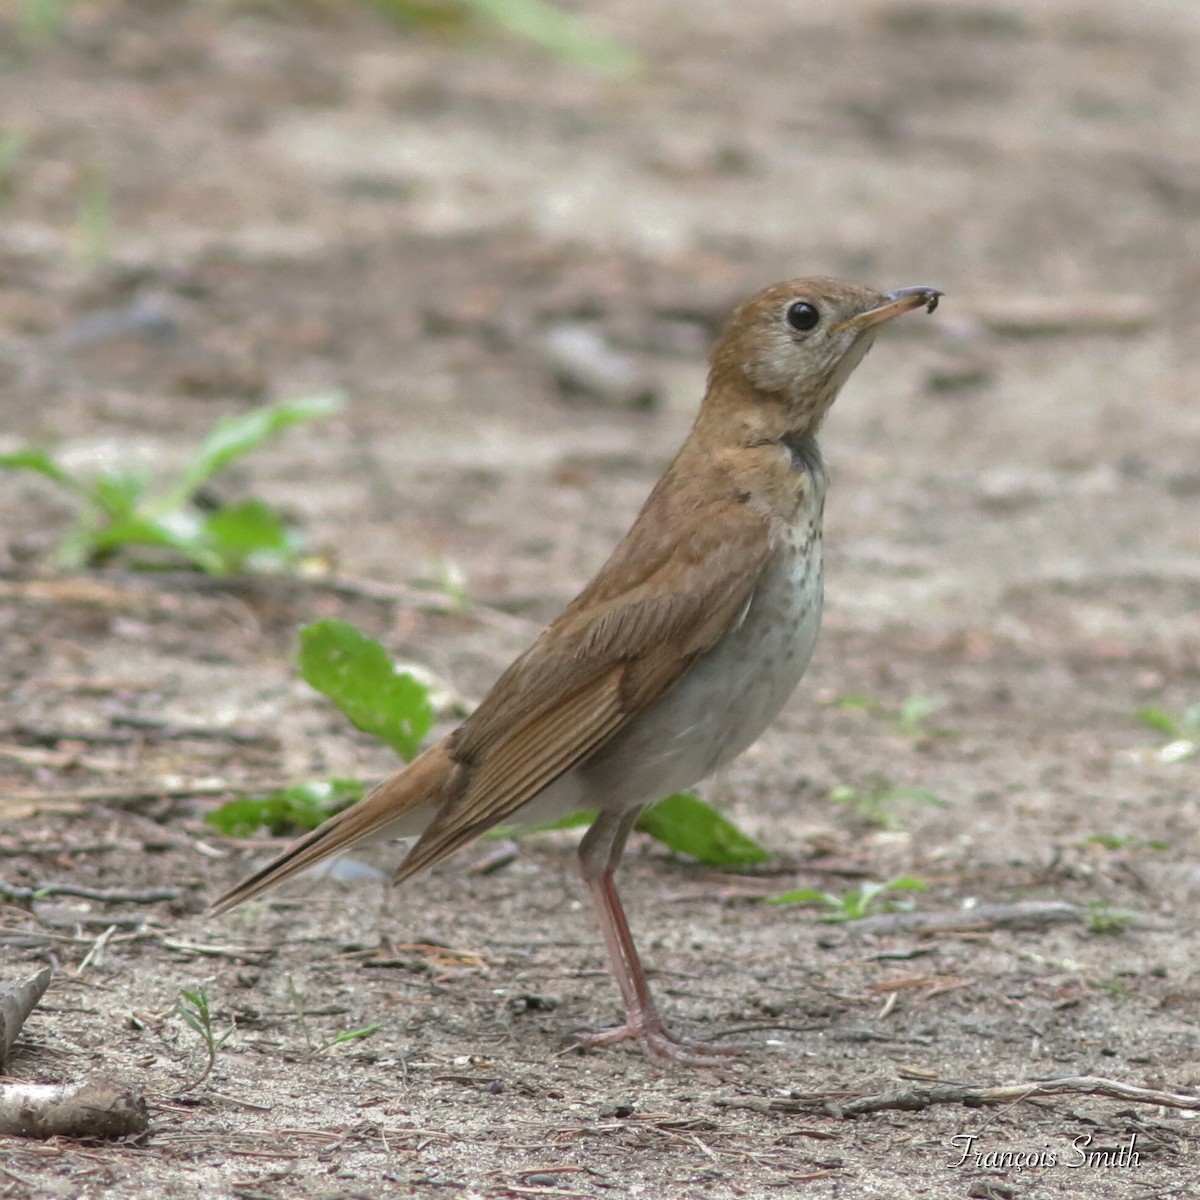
(916,1099)
(138,729)
(986,917)
(239,953)
(106,588)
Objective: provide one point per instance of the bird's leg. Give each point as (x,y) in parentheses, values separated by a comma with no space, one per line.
(599,853)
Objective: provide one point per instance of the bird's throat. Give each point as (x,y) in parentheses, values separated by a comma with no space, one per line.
(806,454)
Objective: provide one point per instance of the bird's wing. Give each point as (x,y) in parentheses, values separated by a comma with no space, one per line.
(683,576)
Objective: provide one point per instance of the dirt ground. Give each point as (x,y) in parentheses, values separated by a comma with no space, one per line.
(219,204)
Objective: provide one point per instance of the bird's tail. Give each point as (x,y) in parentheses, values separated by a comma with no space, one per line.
(392,809)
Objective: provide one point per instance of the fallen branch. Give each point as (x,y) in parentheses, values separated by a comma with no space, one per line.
(915,1099)
(94,1109)
(987,917)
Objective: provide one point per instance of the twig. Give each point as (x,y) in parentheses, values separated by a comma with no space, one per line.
(137,729)
(239,953)
(426,601)
(97,949)
(24,895)
(106,587)
(916,1099)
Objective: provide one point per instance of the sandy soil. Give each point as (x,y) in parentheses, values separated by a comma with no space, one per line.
(277,201)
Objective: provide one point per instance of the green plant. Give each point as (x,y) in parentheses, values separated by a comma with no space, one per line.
(118,511)
(856,903)
(1183,731)
(873,806)
(193,1010)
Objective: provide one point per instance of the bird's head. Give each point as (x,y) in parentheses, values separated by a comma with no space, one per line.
(791,346)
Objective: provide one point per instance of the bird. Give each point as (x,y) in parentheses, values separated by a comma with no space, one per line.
(674,658)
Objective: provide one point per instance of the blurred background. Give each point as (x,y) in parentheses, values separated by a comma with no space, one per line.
(509,233)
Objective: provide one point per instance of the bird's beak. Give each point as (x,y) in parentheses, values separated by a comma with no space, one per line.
(896,303)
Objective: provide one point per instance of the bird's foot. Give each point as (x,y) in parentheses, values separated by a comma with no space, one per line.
(659,1043)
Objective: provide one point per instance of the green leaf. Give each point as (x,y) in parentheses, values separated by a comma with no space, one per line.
(295,809)
(355,672)
(252,529)
(685,824)
(236,436)
(43,464)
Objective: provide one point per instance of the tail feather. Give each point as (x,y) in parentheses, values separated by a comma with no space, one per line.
(422,783)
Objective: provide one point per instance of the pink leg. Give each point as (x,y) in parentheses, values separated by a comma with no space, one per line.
(599,853)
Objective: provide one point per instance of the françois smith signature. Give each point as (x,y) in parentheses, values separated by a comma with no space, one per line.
(1079,1153)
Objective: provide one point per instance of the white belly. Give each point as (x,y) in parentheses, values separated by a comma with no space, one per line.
(725,700)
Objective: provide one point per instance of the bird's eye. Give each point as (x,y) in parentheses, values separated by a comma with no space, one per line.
(802,316)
